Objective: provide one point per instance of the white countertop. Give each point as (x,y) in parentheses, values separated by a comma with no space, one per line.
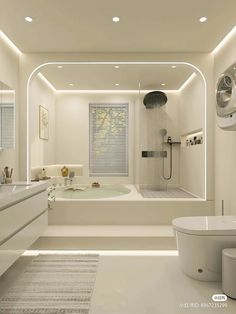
(15,192)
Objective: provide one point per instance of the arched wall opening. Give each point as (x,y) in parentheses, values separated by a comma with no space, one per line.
(196,69)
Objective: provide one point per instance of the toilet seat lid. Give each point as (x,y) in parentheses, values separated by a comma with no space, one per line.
(206,225)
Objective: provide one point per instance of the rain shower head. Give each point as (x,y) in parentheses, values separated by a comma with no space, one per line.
(153,99)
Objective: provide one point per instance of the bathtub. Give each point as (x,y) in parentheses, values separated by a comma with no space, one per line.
(86,192)
(125,207)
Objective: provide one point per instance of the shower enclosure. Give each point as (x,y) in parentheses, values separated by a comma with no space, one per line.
(159,148)
(154,155)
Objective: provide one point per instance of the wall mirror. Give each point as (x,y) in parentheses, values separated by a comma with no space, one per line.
(7,117)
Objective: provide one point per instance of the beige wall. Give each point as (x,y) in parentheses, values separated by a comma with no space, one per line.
(9,74)
(42,151)
(192,119)
(225,142)
(72,131)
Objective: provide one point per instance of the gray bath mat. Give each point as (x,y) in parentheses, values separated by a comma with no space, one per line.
(53,284)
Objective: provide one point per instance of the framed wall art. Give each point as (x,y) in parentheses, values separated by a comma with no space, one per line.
(43,123)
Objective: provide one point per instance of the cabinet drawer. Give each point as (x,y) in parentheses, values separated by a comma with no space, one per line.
(15,246)
(15,217)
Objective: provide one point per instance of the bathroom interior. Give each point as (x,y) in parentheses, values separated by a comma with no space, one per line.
(161,145)
(117,164)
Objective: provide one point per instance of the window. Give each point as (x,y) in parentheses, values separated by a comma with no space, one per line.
(108,154)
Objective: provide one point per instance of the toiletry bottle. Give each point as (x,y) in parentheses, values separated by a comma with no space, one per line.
(2,177)
(44,173)
(64,171)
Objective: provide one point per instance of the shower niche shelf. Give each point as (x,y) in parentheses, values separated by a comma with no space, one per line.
(192,139)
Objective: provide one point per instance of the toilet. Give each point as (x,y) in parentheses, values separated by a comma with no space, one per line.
(200,241)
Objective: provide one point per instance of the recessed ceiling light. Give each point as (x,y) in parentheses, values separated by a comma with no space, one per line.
(60,66)
(203,19)
(71,84)
(116,66)
(28,19)
(117,84)
(173,66)
(115,19)
(163,84)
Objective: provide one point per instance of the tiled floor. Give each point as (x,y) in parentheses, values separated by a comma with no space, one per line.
(143,285)
(152,285)
(169,193)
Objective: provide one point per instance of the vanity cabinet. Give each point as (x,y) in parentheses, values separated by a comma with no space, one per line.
(20,225)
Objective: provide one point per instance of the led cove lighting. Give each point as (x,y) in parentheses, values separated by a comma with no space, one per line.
(109,91)
(104,252)
(7,40)
(28,19)
(225,40)
(203,19)
(188,81)
(46,81)
(115,19)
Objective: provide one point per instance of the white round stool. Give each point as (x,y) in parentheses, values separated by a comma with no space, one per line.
(229,272)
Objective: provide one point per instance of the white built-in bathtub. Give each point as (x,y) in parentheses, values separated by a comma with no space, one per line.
(125,207)
(104,192)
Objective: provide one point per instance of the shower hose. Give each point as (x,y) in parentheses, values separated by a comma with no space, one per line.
(163,164)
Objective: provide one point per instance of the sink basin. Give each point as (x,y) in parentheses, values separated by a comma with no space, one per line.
(6,190)
(17,191)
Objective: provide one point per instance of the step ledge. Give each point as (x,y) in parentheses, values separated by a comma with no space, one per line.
(108,231)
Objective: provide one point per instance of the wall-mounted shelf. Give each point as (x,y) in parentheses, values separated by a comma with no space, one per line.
(192,139)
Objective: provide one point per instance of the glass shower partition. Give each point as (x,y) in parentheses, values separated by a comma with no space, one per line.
(153,123)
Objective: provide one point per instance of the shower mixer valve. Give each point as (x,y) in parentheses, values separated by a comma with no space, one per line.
(169,140)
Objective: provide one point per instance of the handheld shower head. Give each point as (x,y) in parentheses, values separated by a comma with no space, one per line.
(163,132)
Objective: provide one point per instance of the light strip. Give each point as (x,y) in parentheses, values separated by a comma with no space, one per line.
(225,40)
(104,252)
(7,91)
(43,78)
(187,82)
(108,91)
(7,40)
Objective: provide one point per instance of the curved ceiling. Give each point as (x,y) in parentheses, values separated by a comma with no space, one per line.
(145,26)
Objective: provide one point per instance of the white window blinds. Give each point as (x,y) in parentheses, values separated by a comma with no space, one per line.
(6,125)
(108,153)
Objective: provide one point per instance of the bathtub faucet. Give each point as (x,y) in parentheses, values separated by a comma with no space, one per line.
(71,177)
(68,179)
